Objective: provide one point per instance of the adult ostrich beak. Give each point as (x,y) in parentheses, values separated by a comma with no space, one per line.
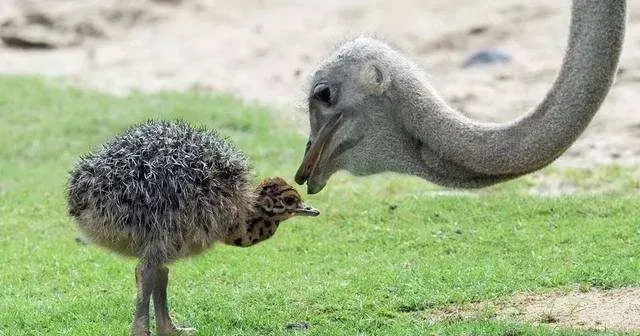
(315,155)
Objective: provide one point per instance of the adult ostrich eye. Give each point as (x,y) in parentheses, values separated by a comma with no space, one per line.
(322,93)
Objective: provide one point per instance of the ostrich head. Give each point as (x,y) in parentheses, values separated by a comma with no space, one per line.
(350,113)
(277,200)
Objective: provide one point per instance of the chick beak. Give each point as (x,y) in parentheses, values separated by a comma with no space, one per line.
(306,211)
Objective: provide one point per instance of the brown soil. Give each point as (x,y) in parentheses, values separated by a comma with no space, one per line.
(265,50)
(617,309)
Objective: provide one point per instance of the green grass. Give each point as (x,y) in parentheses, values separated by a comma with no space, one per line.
(385,251)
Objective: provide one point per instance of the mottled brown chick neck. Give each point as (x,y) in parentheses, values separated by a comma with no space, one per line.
(275,202)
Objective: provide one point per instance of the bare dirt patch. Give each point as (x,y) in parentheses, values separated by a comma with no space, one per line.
(265,51)
(616,309)
(66,23)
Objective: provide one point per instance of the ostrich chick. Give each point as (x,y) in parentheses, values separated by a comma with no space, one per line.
(163,191)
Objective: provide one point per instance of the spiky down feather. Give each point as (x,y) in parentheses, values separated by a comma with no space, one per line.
(160,189)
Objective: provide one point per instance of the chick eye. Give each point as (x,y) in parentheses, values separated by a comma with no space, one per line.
(322,93)
(289,201)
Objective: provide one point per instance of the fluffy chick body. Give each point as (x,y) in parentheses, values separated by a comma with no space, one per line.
(161,190)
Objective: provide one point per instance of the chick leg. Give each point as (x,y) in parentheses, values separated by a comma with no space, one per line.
(145,280)
(164,325)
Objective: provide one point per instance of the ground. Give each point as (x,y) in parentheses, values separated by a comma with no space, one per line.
(265,50)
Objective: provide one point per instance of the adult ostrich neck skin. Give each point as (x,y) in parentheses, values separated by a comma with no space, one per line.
(373,110)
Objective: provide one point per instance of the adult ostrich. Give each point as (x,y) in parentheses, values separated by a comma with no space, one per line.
(372,110)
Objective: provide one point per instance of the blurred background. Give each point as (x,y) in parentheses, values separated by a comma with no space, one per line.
(492,60)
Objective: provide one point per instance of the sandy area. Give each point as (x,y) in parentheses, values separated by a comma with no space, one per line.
(264,50)
(611,310)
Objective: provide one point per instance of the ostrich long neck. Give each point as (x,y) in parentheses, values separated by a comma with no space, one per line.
(536,139)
